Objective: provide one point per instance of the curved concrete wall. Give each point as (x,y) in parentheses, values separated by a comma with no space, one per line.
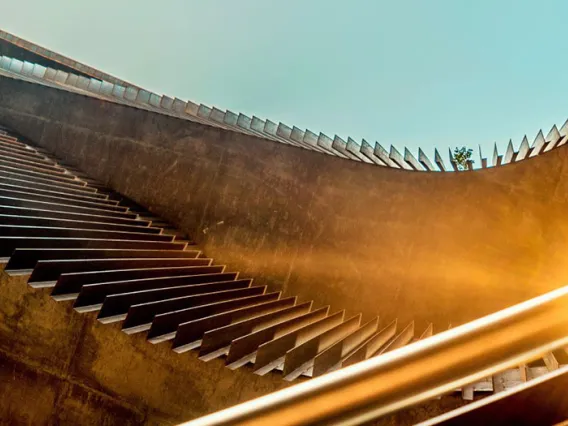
(441,247)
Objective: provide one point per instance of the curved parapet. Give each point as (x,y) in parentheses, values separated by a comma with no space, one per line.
(29,51)
(90,81)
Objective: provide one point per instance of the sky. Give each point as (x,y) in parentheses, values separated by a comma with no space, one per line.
(415,73)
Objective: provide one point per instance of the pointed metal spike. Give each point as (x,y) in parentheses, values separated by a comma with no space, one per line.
(95,86)
(397,157)
(552,138)
(231,118)
(428,332)
(481,159)
(166,102)
(191,108)
(325,142)
(17,66)
(107,88)
(154,100)
(355,149)
(538,144)
(438,160)
(61,77)
(564,133)
(367,151)
(50,74)
(28,68)
(509,153)
(4,62)
(310,138)
(283,131)
(453,160)
(298,138)
(7,63)
(564,129)
(425,161)
(178,106)
(39,71)
(402,339)
(330,359)
(496,157)
(524,149)
(297,134)
(384,156)
(411,160)
(257,124)
(553,134)
(562,141)
(118,91)
(244,121)
(270,127)
(72,80)
(143,96)
(204,111)
(217,115)
(340,145)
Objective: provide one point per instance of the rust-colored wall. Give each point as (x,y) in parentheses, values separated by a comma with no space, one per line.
(441,247)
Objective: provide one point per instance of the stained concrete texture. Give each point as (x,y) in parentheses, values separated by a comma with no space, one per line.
(441,247)
(425,246)
(59,367)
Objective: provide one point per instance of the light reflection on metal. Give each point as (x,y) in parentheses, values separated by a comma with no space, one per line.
(415,373)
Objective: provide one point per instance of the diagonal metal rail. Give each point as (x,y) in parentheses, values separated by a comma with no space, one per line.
(414,373)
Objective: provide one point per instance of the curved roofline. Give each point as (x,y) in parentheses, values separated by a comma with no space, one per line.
(108,87)
(57,58)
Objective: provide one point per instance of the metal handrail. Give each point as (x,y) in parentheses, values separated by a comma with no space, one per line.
(415,373)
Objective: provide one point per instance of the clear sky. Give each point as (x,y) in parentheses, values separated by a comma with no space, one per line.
(429,73)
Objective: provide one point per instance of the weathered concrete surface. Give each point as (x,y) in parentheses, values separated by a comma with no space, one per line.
(439,247)
(34,397)
(59,367)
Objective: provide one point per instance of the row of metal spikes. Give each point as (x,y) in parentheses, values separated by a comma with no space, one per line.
(125,93)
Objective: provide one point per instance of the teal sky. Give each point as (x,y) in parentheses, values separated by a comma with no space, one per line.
(432,73)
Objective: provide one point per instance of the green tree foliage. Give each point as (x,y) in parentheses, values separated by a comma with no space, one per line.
(462,156)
